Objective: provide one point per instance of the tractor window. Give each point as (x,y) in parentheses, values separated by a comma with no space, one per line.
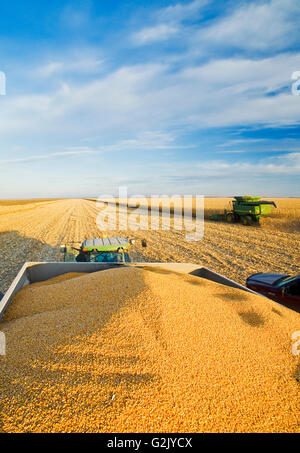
(106,257)
(100,258)
(110,257)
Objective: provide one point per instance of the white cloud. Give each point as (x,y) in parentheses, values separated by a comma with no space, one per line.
(287,164)
(160,32)
(258,26)
(135,99)
(265,177)
(168,22)
(152,140)
(145,107)
(84,65)
(235,92)
(267,26)
(146,140)
(243,141)
(151,97)
(50,69)
(42,157)
(181,11)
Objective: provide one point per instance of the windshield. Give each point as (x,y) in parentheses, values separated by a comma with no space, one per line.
(285,280)
(109,257)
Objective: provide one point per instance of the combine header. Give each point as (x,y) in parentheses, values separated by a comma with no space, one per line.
(246,210)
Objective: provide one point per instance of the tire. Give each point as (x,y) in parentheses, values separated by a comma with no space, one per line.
(230,218)
(247,220)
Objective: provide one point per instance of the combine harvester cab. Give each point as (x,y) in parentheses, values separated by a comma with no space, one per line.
(246,209)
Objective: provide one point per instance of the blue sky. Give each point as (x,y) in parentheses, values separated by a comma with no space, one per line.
(172,97)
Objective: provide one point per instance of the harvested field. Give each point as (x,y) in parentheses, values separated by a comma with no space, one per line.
(24,202)
(34,232)
(163,353)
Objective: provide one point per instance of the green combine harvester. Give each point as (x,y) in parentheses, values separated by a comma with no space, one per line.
(246,210)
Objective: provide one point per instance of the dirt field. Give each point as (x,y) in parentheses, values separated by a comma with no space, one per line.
(34,232)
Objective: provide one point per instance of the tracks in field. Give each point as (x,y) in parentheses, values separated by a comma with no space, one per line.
(35,234)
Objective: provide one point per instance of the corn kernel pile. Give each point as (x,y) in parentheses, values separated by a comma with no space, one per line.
(140,350)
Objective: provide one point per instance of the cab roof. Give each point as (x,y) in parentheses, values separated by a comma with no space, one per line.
(105,244)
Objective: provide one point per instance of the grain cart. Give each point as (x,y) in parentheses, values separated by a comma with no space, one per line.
(246,210)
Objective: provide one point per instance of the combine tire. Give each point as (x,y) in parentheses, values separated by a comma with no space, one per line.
(247,220)
(230,218)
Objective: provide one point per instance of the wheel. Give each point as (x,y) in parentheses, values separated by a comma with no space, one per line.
(247,220)
(230,218)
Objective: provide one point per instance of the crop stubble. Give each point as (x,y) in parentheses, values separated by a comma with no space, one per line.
(34,232)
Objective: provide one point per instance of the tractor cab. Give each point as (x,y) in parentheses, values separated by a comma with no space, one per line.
(101,250)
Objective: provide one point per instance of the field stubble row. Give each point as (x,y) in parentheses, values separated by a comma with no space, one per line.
(34,233)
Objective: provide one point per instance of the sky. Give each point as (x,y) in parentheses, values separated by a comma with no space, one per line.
(190,97)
